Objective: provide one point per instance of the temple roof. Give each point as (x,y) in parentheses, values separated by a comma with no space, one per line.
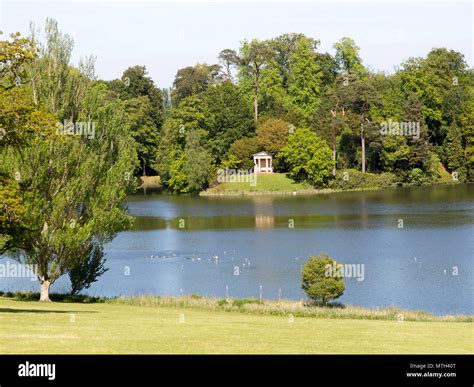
(262,154)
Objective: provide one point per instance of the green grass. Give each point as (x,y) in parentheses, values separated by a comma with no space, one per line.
(115,327)
(445,176)
(265,183)
(287,307)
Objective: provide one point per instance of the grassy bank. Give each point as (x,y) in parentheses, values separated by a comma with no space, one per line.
(201,325)
(273,183)
(281,184)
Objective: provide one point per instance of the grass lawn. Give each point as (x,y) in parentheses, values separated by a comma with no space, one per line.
(271,183)
(28,327)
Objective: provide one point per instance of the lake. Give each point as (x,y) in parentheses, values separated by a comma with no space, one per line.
(414,245)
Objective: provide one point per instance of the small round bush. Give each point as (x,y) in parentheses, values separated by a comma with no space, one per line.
(321,280)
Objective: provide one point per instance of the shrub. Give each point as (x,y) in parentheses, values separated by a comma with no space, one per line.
(222,302)
(416,176)
(352,178)
(318,282)
(240,302)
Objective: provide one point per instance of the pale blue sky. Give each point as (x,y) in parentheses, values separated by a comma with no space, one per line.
(165,36)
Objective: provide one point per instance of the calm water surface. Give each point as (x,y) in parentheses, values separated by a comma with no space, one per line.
(172,248)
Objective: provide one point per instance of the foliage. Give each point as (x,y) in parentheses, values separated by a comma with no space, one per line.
(347,56)
(304,81)
(243,149)
(197,163)
(353,179)
(272,136)
(143,104)
(62,194)
(87,271)
(74,191)
(228,118)
(193,80)
(308,157)
(318,282)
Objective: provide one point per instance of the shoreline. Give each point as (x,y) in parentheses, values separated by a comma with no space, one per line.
(252,306)
(309,192)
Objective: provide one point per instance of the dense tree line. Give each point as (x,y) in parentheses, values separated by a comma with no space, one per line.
(254,99)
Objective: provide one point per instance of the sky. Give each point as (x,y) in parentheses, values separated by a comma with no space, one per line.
(168,35)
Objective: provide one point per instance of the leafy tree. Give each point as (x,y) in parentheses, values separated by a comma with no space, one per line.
(177,178)
(439,81)
(243,149)
(467,127)
(308,157)
(272,135)
(193,80)
(321,279)
(16,56)
(347,56)
(227,118)
(420,155)
(328,66)
(395,155)
(360,96)
(331,115)
(57,86)
(252,60)
(228,59)
(12,231)
(176,150)
(75,188)
(304,81)
(455,156)
(197,163)
(136,83)
(139,113)
(143,103)
(86,272)
(19,122)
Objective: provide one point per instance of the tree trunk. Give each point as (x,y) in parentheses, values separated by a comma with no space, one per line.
(44,296)
(334,154)
(334,151)
(255,107)
(362,140)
